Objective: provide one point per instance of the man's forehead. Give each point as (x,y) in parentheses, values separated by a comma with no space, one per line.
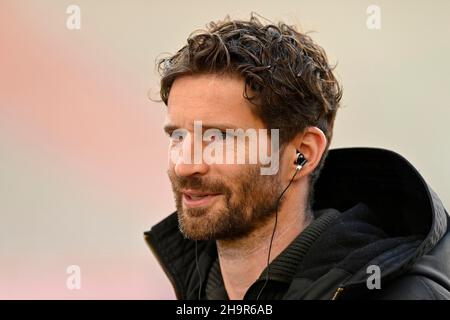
(213,100)
(205,93)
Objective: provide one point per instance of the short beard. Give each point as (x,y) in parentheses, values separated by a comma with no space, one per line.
(247,206)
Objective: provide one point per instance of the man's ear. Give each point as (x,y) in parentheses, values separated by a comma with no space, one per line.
(312,144)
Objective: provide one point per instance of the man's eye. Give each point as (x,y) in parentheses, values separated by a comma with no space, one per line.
(223,135)
(227,135)
(178,135)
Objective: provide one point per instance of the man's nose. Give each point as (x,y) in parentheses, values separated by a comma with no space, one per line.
(195,165)
(189,169)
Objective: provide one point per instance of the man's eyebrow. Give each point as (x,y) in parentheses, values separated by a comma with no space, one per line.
(169,128)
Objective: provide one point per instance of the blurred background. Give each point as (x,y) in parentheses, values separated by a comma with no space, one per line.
(83,154)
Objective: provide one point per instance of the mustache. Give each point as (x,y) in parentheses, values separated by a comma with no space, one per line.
(197,183)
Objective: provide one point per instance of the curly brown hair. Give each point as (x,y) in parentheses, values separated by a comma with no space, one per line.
(290,80)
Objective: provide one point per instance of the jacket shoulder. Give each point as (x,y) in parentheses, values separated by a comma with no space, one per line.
(412,287)
(428,278)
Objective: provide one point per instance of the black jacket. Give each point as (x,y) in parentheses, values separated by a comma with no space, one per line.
(389,217)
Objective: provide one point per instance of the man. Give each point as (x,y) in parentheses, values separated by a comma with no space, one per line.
(372,228)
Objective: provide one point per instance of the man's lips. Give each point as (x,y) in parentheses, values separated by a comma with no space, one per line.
(194,198)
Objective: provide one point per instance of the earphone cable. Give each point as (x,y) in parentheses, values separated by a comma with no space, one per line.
(198,271)
(273,234)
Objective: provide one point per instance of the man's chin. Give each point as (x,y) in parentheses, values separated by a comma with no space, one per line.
(192,223)
(193,232)
(200,228)
(193,213)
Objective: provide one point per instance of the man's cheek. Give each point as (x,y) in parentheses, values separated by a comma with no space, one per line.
(173,156)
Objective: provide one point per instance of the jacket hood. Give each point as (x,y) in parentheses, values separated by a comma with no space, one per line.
(389,185)
(389,217)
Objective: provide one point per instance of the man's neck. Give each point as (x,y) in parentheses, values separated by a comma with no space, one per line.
(242,261)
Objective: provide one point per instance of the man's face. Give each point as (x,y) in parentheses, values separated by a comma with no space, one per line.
(216,201)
